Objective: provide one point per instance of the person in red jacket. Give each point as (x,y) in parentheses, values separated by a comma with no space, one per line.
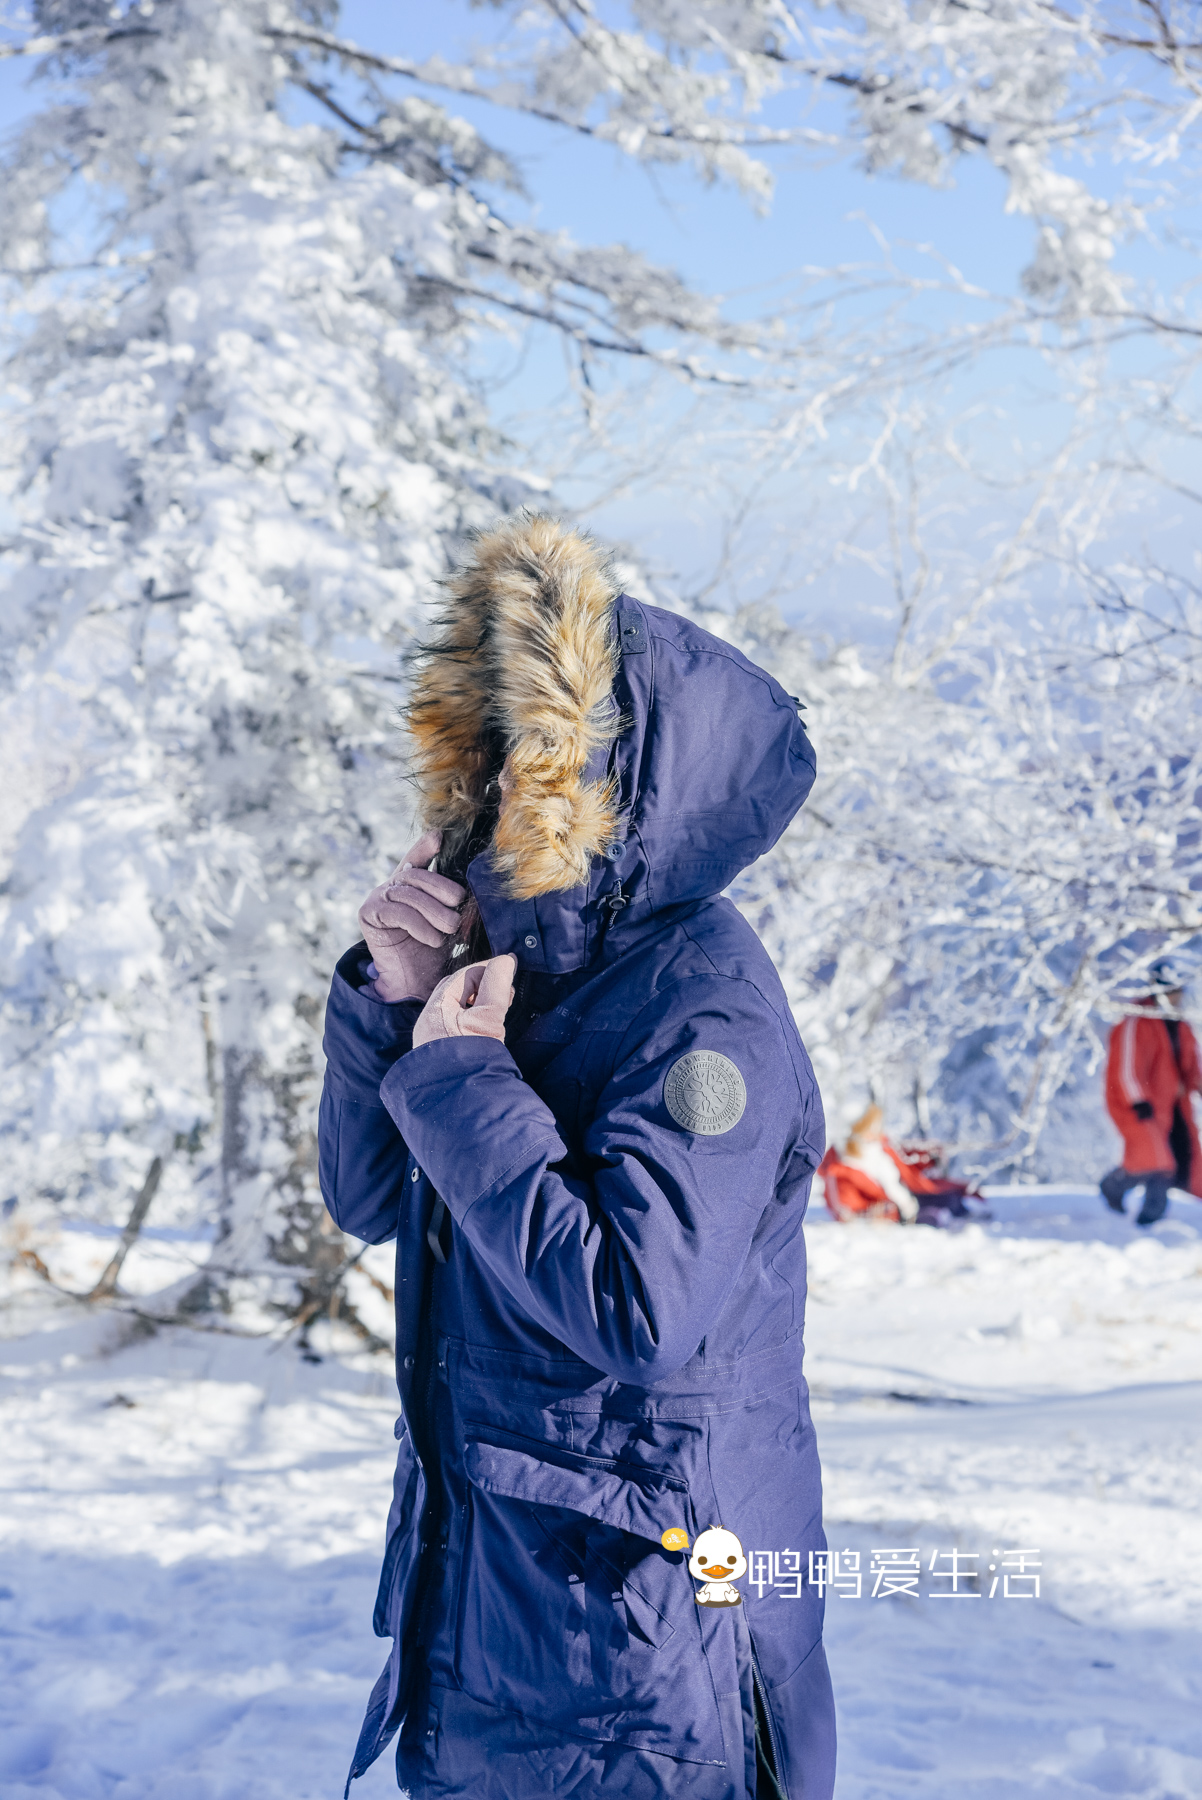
(1152,1069)
(874,1178)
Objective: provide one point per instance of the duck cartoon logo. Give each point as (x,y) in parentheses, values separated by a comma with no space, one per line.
(718,1561)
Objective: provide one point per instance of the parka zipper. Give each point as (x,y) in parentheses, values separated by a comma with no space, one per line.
(437,1239)
(765,1734)
(431,1524)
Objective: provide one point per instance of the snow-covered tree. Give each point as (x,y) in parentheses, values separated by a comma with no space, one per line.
(235,455)
(979,883)
(238,454)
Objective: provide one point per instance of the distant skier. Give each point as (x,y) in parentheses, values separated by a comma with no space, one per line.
(1152,1069)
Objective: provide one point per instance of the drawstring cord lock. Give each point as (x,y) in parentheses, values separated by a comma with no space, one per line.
(616,901)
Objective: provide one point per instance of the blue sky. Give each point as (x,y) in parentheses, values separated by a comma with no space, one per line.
(711,235)
(716,239)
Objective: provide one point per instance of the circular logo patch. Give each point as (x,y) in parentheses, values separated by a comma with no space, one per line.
(704,1092)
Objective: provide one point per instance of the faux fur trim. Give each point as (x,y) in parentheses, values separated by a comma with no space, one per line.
(523,666)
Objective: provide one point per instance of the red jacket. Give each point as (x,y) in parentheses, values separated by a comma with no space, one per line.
(1142,1067)
(850,1191)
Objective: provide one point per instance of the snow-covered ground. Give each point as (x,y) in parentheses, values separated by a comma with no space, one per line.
(1035,1383)
(192,1523)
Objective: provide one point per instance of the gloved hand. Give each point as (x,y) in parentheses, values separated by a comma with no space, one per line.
(1143,1109)
(471,1002)
(406,922)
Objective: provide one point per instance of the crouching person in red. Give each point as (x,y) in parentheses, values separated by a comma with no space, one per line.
(874,1179)
(1152,1069)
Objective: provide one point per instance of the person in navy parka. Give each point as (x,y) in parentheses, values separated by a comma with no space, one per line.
(563,1073)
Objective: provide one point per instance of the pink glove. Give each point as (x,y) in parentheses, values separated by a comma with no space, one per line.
(407,921)
(471,1002)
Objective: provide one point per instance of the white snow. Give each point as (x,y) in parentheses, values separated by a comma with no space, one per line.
(192,1523)
(1031,1383)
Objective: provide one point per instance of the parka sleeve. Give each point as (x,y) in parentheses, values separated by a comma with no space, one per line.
(629,1256)
(361,1155)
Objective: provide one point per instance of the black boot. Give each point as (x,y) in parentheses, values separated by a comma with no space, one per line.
(1113,1187)
(1156,1200)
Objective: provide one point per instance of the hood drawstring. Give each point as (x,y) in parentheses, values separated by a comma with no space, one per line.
(613,903)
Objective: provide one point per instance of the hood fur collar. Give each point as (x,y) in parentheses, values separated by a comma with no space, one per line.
(523,667)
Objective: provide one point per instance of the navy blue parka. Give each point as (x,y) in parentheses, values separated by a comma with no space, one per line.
(599,1309)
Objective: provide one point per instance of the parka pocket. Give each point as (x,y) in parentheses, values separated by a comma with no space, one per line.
(570,1609)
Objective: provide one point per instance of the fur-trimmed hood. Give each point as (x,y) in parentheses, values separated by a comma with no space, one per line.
(649,762)
(523,667)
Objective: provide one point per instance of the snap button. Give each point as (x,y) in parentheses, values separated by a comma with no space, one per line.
(531,943)
(615,852)
(408,1362)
